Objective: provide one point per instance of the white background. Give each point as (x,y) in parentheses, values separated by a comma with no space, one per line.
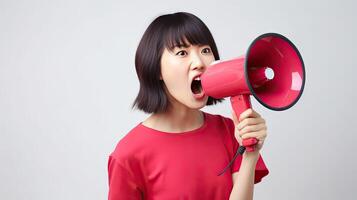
(67,81)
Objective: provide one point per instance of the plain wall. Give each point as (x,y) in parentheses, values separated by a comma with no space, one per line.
(67,81)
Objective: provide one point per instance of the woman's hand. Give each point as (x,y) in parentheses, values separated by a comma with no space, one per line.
(250,125)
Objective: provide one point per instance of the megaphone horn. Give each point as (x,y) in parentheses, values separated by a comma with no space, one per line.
(272,71)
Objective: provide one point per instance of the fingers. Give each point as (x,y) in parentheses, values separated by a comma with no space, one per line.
(248,113)
(249,125)
(237,136)
(239,139)
(252,128)
(250,121)
(260,135)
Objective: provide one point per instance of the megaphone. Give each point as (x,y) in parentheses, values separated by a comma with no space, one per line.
(272,71)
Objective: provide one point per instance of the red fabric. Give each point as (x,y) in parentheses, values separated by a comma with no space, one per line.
(150,164)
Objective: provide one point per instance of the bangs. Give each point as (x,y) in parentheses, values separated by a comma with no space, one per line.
(182,34)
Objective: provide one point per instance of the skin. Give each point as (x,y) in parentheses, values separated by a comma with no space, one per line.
(178,67)
(250,124)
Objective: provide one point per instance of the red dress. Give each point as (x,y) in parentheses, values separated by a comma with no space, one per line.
(155,165)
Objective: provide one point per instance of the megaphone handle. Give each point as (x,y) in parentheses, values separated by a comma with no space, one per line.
(240,103)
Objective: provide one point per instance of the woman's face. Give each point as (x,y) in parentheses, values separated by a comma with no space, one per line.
(178,69)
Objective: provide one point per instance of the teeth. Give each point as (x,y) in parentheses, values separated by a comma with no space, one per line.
(197,79)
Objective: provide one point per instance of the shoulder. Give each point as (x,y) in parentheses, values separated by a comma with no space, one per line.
(128,146)
(220,120)
(226,128)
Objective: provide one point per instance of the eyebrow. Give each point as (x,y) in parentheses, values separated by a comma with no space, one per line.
(181,45)
(186,46)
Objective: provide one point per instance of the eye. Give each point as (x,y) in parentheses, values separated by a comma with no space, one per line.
(181,53)
(206,51)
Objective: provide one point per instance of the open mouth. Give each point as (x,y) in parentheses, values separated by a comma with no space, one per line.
(196,86)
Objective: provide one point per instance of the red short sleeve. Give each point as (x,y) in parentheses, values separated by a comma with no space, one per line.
(122,184)
(260,170)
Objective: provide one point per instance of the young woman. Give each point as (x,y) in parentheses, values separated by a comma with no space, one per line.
(177,152)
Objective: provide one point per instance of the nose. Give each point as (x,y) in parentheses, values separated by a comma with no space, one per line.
(197,63)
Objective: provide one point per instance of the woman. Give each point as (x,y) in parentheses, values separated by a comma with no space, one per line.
(177,152)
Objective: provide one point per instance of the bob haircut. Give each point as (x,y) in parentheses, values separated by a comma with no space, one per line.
(166,31)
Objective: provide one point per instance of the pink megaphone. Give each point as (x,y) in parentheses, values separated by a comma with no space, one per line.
(272,71)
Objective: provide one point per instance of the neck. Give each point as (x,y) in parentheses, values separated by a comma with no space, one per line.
(176,120)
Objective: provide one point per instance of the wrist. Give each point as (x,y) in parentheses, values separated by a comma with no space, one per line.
(251,156)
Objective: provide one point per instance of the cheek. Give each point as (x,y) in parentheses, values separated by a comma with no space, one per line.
(209,60)
(174,73)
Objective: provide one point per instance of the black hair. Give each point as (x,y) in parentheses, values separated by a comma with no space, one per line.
(166,31)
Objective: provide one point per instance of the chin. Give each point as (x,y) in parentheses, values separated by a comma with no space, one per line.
(196,107)
(199,104)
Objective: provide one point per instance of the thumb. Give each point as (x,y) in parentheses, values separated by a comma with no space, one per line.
(236,132)
(235,118)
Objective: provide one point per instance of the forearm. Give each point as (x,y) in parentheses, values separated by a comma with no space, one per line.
(244,185)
